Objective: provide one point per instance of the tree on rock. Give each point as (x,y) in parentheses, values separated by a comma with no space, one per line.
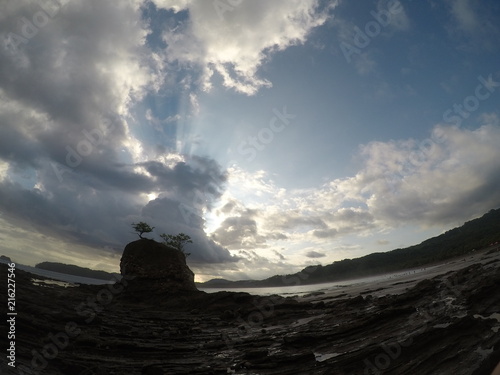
(141,228)
(178,241)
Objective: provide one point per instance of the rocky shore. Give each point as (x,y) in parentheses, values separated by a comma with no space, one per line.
(447,324)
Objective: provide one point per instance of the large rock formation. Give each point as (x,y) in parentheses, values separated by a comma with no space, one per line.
(155,268)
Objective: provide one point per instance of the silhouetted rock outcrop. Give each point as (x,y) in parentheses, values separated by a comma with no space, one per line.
(153,268)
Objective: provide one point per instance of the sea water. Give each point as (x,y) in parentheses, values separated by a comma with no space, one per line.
(301,290)
(71,279)
(284,291)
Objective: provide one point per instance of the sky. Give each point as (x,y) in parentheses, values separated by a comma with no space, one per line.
(276,133)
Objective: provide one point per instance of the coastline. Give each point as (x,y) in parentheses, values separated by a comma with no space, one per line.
(401,281)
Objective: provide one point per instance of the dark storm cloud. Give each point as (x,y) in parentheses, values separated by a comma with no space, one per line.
(170,217)
(16,148)
(86,209)
(202,175)
(63,79)
(30,205)
(74,168)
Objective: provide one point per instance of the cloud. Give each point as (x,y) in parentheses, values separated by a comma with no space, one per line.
(97,211)
(252,264)
(473,25)
(171,217)
(430,183)
(279,255)
(26,245)
(439,182)
(465,15)
(398,18)
(200,176)
(327,233)
(315,254)
(239,232)
(84,67)
(292,219)
(355,40)
(71,166)
(234,41)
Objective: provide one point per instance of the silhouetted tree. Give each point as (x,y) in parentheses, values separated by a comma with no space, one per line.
(141,228)
(178,241)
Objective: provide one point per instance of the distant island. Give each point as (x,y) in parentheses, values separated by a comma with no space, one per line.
(70,269)
(473,235)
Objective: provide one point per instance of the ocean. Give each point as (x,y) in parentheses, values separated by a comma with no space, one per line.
(285,291)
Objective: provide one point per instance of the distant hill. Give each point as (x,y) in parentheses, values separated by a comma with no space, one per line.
(70,269)
(5,259)
(214,283)
(473,235)
(223,283)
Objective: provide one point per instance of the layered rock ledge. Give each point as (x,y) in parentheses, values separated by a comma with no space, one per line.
(447,324)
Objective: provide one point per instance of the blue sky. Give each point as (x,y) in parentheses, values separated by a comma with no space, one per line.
(277,134)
